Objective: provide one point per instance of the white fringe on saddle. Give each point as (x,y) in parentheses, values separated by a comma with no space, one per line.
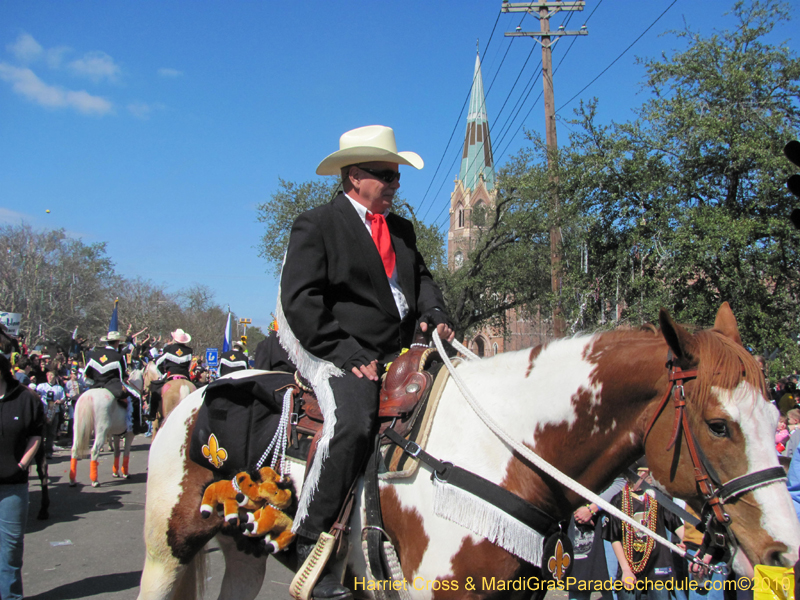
(317,372)
(486,520)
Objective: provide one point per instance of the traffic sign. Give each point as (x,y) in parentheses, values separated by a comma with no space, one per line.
(212,357)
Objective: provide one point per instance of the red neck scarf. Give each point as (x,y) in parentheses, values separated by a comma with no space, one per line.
(383,241)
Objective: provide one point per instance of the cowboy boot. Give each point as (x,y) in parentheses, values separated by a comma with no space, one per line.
(328,586)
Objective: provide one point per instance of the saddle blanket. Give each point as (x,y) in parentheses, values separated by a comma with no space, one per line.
(237,421)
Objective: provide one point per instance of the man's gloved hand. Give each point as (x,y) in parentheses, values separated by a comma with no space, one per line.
(439,319)
(361,365)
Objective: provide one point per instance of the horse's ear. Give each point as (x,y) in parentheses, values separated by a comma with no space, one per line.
(678,339)
(725,323)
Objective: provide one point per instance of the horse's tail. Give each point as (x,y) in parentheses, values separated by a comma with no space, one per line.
(193,581)
(84,425)
(186,390)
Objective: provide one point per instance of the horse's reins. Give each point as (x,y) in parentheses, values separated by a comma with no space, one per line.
(717,533)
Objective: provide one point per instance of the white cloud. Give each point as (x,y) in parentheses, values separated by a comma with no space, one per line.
(167,72)
(10,216)
(55,56)
(25,49)
(96,66)
(25,83)
(143,110)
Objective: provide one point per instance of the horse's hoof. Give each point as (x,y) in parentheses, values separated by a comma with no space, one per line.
(115,474)
(73,483)
(95,484)
(125,476)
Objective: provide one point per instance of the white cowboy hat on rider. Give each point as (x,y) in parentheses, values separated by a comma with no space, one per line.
(180,336)
(373,143)
(113,336)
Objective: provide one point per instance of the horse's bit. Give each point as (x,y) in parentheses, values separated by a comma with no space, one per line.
(714,520)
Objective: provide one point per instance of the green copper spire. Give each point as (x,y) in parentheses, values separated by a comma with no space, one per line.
(477,156)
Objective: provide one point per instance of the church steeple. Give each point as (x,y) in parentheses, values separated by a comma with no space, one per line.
(477,159)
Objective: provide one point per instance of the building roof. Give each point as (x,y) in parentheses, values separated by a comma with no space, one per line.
(477,159)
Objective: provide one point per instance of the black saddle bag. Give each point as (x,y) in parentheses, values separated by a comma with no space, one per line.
(237,421)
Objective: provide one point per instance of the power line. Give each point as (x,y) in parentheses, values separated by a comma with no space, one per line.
(620,56)
(458,120)
(488,91)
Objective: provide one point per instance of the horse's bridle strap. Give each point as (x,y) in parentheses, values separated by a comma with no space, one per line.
(745,483)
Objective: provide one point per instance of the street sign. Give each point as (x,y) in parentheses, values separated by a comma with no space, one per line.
(212,357)
(11,321)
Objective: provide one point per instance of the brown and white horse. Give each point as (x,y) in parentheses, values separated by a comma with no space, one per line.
(584,404)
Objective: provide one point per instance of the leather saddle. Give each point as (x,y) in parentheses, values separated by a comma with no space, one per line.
(405,388)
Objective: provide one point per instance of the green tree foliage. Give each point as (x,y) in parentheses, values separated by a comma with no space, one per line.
(686,206)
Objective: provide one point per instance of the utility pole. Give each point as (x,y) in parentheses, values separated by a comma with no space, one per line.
(545,10)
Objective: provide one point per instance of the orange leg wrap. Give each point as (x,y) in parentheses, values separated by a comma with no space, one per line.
(115,468)
(93,470)
(73,469)
(125,462)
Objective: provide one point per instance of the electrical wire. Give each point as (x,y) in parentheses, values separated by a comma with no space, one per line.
(620,56)
(458,121)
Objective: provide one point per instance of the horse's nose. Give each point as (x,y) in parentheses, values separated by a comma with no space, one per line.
(778,556)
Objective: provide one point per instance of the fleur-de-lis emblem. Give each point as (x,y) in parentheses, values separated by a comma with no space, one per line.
(179,352)
(215,455)
(103,358)
(558,563)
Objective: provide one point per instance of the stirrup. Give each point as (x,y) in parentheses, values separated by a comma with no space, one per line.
(308,575)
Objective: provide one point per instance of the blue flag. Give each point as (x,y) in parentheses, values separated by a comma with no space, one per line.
(114,324)
(226,343)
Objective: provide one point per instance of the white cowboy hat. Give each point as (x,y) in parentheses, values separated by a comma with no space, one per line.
(180,336)
(373,143)
(113,336)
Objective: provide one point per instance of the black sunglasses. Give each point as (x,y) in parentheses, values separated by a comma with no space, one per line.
(387,175)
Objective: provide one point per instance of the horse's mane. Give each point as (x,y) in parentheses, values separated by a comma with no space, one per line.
(724,363)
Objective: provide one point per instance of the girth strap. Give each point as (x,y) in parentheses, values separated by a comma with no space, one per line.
(508,502)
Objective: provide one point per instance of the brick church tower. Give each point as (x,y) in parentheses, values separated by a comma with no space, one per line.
(471,203)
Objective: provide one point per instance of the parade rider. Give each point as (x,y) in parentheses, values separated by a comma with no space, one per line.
(353,288)
(105,367)
(235,360)
(174,362)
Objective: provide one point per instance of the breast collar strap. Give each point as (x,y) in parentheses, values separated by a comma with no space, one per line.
(708,482)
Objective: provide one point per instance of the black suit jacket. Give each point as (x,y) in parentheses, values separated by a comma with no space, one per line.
(334,290)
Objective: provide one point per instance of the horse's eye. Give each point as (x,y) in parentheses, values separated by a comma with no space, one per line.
(718,428)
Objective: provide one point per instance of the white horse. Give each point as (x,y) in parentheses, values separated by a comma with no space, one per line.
(583,404)
(97,412)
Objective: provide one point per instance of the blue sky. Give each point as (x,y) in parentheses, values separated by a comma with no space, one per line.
(158,127)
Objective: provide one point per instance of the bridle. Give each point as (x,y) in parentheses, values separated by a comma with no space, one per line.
(715,522)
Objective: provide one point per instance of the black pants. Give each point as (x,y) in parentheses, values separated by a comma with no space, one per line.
(356,417)
(155,398)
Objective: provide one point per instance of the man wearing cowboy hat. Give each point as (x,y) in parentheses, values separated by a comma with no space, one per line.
(105,366)
(353,288)
(173,362)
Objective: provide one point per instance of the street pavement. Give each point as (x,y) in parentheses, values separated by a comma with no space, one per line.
(92,546)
